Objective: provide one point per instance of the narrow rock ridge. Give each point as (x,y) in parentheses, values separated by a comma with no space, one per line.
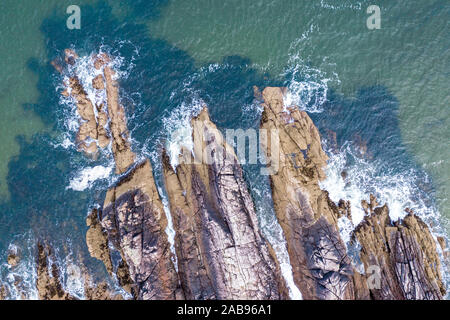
(321,267)
(404,252)
(220,249)
(102,122)
(48,281)
(134,220)
(49,285)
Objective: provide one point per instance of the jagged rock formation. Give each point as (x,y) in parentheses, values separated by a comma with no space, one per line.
(3,292)
(221,252)
(307,216)
(401,256)
(134,219)
(97,241)
(102,122)
(48,278)
(13,259)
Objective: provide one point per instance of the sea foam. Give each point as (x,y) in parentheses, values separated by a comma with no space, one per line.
(85,178)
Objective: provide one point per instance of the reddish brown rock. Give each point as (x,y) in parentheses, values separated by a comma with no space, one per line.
(48,281)
(134,219)
(98,82)
(13,259)
(123,155)
(220,250)
(104,124)
(97,241)
(3,292)
(400,257)
(307,216)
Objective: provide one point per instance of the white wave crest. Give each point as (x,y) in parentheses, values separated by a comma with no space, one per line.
(362,178)
(87,176)
(179,130)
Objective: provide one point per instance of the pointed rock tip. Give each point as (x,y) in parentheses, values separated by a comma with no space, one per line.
(202,116)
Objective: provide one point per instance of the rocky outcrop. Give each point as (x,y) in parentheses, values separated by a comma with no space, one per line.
(13,259)
(50,286)
(123,155)
(400,257)
(307,216)
(134,220)
(48,281)
(102,121)
(220,250)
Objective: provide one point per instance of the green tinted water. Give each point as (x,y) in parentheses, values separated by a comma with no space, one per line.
(410,55)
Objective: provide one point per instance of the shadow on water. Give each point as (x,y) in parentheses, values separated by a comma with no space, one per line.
(159,82)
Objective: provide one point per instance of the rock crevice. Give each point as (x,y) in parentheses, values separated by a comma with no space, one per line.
(221,251)
(321,267)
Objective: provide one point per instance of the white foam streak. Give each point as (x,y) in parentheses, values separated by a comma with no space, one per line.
(179,130)
(170,231)
(308,86)
(87,176)
(279,245)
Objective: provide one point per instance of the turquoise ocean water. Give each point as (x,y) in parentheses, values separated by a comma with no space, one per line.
(385,93)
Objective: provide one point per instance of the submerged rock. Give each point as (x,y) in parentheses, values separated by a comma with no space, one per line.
(220,250)
(321,267)
(400,257)
(134,220)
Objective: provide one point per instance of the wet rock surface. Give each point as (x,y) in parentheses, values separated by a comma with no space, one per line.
(48,281)
(220,250)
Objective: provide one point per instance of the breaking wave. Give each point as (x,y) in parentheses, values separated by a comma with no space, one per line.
(350,177)
(308,86)
(85,178)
